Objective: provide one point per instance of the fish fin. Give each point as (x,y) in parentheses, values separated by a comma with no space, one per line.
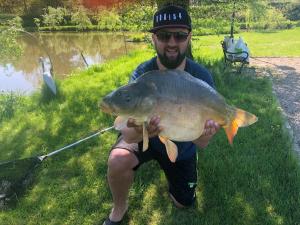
(145,137)
(231,130)
(244,118)
(120,122)
(171,148)
(241,118)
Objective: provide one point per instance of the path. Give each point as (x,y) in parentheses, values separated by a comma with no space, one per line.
(285,73)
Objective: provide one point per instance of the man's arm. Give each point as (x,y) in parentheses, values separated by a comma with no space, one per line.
(210,129)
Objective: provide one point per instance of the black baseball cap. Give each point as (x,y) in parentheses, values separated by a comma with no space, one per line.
(171,16)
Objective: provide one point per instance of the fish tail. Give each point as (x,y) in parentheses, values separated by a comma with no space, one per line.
(240,118)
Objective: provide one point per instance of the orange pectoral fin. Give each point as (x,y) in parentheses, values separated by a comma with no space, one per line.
(171,148)
(145,137)
(231,130)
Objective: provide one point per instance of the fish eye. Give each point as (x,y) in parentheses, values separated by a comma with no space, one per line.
(124,95)
(127,97)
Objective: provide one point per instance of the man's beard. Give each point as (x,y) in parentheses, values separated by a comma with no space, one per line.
(171,64)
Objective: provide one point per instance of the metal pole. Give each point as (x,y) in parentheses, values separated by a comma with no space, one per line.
(232,20)
(75,143)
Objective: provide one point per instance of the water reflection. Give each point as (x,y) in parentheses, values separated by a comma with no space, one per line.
(65,50)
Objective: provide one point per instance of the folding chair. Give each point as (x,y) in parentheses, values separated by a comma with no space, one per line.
(232,53)
(232,57)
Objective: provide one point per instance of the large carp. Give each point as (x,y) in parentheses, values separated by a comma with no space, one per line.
(183,103)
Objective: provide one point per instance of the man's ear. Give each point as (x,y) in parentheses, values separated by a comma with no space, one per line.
(190,38)
(152,38)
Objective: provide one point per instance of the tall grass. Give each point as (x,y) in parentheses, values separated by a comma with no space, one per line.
(257,181)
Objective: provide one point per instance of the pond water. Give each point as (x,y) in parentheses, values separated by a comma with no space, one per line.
(64,49)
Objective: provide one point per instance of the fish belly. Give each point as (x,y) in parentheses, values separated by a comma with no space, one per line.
(180,122)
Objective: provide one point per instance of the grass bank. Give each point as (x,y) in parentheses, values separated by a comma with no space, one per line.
(257,181)
(261,44)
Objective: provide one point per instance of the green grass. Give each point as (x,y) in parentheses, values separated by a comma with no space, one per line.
(269,44)
(257,181)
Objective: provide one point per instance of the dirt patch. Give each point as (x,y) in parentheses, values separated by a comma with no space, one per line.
(285,74)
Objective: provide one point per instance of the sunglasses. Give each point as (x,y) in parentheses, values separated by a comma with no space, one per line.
(165,36)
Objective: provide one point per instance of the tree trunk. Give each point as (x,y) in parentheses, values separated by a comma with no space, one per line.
(183,3)
(25,7)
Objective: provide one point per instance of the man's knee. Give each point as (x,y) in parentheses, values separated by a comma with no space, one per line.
(121,160)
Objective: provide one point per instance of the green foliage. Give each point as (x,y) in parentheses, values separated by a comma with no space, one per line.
(137,17)
(10,50)
(293,12)
(13,6)
(54,16)
(37,23)
(15,23)
(81,19)
(260,15)
(108,20)
(290,9)
(208,17)
(9,103)
(5,17)
(68,28)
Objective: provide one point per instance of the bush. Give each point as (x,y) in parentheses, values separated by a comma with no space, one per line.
(54,17)
(5,17)
(81,19)
(10,50)
(37,23)
(108,20)
(208,18)
(8,105)
(136,17)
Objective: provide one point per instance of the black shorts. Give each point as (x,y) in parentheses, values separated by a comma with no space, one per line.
(181,175)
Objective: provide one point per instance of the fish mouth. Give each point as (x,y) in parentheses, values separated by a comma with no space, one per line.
(106,107)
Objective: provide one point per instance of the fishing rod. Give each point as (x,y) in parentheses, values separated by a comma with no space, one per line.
(75,143)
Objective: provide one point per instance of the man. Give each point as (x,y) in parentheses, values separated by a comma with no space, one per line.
(171,34)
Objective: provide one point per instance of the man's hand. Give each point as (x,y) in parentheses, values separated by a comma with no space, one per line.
(153,129)
(210,129)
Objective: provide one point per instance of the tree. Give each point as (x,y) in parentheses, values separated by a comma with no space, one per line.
(12,6)
(54,16)
(81,19)
(10,50)
(183,3)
